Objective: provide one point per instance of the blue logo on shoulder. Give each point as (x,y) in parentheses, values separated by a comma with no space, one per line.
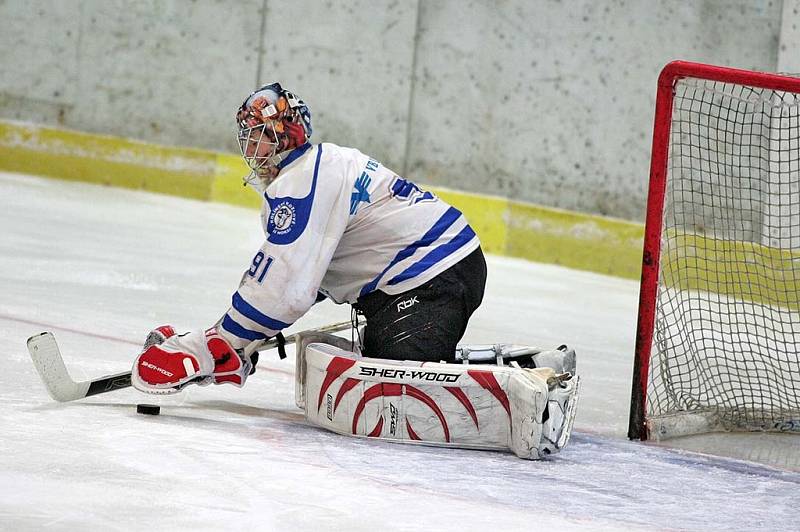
(360,193)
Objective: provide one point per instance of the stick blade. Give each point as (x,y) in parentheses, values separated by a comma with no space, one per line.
(48,362)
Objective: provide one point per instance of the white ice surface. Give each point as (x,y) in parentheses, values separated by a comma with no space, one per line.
(101,266)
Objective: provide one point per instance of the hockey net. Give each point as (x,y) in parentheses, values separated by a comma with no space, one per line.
(718,340)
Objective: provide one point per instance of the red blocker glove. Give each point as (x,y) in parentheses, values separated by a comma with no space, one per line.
(169,361)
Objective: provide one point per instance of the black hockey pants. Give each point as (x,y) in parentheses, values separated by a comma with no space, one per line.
(424,323)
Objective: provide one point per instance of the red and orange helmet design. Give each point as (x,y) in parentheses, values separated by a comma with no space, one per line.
(271,103)
(271,121)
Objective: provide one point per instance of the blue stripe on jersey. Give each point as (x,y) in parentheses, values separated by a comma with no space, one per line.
(253,314)
(435,256)
(293,155)
(233,327)
(441,225)
(300,209)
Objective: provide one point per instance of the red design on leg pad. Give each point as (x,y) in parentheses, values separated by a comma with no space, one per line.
(487,380)
(336,367)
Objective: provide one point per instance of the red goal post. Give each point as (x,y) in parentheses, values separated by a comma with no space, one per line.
(718,335)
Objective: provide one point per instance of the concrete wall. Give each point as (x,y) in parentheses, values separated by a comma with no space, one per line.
(552,102)
(789,45)
(545,101)
(168,72)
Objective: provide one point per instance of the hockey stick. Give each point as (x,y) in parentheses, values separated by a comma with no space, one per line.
(47,359)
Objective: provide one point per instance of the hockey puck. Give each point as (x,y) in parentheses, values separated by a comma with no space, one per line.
(152,410)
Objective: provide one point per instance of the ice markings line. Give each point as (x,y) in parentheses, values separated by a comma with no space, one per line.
(112,338)
(68,329)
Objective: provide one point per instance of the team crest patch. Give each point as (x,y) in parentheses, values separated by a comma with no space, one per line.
(282,218)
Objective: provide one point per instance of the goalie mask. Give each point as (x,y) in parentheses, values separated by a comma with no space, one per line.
(272,121)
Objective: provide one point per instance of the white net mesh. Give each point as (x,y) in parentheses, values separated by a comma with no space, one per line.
(727,333)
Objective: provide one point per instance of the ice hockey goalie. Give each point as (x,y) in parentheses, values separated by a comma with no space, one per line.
(504,406)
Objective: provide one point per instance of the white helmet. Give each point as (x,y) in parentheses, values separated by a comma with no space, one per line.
(272,121)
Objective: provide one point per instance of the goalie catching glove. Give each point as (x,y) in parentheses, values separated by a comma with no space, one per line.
(169,362)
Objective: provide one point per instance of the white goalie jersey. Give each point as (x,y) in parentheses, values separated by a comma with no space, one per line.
(341,224)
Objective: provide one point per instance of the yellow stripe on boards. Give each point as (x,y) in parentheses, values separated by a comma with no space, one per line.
(228,186)
(581,241)
(77,156)
(741,270)
(505,227)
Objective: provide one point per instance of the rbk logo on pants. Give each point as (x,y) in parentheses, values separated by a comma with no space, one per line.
(408,303)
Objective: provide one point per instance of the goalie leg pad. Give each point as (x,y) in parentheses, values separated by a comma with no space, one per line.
(561,408)
(482,407)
